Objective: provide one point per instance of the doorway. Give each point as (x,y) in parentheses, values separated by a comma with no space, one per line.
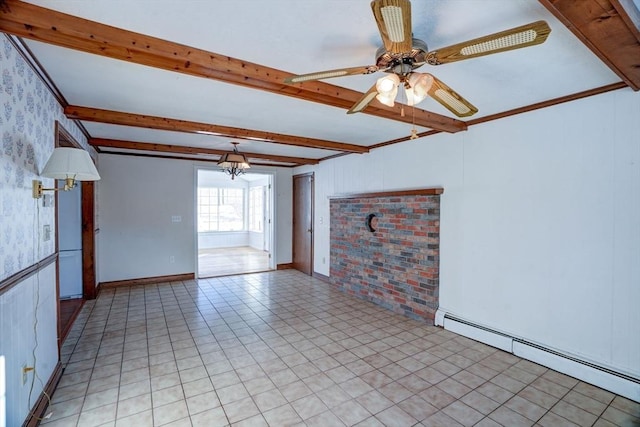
(234,223)
(75,245)
(303,223)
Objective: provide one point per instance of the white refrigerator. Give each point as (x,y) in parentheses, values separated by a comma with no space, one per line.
(70,243)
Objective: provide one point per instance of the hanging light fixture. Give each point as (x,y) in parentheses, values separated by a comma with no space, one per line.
(234,163)
(416,85)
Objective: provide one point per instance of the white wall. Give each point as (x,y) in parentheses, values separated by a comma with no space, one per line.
(28,132)
(222,239)
(138,198)
(21,324)
(540,222)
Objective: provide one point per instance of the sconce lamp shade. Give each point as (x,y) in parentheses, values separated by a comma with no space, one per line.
(67,162)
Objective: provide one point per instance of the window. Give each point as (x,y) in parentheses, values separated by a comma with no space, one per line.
(256,208)
(220,209)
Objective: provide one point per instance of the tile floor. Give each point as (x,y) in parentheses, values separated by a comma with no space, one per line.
(282,348)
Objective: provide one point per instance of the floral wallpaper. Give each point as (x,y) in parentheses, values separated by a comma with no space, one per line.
(28,112)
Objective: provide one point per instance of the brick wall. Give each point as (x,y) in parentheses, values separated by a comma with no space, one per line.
(397,266)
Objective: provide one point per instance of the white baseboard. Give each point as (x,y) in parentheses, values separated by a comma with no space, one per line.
(589,372)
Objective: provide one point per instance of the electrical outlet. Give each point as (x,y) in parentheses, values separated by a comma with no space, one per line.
(176,218)
(172,259)
(324,260)
(46,232)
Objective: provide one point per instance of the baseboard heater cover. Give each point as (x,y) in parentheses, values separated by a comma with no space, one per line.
(602,377)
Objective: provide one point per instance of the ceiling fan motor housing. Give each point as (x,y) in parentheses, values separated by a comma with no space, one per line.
(402,63)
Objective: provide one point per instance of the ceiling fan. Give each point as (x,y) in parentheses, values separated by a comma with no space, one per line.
(401,54)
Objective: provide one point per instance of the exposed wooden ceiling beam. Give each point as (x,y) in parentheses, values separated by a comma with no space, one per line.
(60,29)
(179,149)
(605,28)
(183,157)
(176,125)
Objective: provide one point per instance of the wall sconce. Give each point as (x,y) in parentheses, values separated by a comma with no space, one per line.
(70,164)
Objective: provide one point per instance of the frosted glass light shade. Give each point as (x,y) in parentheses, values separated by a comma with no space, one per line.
(387,85)
(67,162)
(419,86)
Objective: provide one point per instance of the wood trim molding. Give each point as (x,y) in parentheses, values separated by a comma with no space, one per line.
(88,240)
(60,29)
(191,159)
(549,103)
(75,112)
(147,280)
(24,274)
(39,409)
(602,25)
(436,191)
(284,266)
(181,149)
(513,112)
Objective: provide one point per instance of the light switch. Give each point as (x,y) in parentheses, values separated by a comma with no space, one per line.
(176,218)
(46,233)
(47,200)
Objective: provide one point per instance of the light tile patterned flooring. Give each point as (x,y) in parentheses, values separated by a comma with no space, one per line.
(282,348)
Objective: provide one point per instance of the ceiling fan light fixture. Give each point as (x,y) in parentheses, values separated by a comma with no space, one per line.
(418,87)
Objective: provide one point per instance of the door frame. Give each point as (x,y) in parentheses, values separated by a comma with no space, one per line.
(295,218)
(64,139)
(270,201)
(87,188)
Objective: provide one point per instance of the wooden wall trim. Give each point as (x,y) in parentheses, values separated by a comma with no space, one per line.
(88,240)
(286,266)
(21,275)
(503,114)
(436,191)
(39,409)
(549,103)
(147,280)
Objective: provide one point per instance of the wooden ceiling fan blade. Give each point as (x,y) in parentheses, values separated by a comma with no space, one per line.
(450,99)
(363,102)
(320,75)
(515,38)
(394,23)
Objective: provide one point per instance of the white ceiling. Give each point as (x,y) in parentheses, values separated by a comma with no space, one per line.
(301,36)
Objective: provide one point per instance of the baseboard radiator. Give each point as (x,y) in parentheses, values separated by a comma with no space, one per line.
(608,379)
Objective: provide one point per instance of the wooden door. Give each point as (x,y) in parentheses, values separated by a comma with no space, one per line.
(303,223)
